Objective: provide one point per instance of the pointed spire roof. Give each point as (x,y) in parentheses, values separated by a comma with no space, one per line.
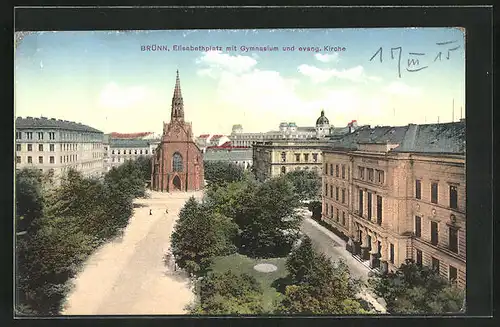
(177,89)
(177,102)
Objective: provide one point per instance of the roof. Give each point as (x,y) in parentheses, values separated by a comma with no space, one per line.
(242,154)
(218,136)
(306,129)
(426,138)
(128,143)
(366,134)
(227,146)
(52,123)
(116,135)
(434,138)
(203,136)
(322,120)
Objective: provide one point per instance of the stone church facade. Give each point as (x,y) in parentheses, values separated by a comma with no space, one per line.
(177,162)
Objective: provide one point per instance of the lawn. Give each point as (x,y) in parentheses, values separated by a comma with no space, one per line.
(241,264)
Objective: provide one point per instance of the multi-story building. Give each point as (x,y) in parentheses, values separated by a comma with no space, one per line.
(291,131)
(240,155)
(54,146)
(399,192)
(274,158)
(121,150)
(120,147)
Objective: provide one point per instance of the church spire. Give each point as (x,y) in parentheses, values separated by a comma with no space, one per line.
(177,102)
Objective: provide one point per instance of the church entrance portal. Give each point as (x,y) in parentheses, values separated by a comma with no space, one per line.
(177,183)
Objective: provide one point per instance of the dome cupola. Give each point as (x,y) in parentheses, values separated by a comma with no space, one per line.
(322,120)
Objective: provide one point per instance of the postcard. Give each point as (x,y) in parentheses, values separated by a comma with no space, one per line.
(240,172)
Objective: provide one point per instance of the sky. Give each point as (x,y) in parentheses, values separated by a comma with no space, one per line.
(112,81)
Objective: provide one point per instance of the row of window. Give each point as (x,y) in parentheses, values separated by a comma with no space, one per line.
(369,197)
(453,193)
(337,192)
(63,159)
(297,157)
(452,234)
(374,175)
(29,159)
(29,135)
(52,136)
(331,212)
(339,170)
(130,151)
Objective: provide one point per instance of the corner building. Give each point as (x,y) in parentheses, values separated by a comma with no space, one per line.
(177,161)
(399,192)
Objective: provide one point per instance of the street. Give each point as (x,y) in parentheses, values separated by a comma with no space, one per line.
(128,276)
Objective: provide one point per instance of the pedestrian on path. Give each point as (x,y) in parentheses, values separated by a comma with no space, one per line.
(166,210)
(150,212)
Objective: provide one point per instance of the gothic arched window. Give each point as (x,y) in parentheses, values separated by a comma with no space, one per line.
(177,162)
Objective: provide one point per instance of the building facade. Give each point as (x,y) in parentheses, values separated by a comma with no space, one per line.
(241,156)
(273,158)
(399,192)
(54,146)
(177,163)
(121,150)
(290,131)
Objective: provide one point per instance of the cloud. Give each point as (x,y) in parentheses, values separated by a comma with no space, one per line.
(266,97)
(400,88)
(114,96)
(216,61)
(327,57)
(318,75)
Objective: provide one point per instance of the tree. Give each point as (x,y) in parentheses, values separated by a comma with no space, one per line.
(126,179)
(143,163)
(228,293)
(29,198)
(268,220)
(416,289)
(315,208)
(317,286)
(307,183)
(300,262)
(200,235)
(220,173)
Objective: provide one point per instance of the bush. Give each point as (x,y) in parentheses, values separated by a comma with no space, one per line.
(228,294)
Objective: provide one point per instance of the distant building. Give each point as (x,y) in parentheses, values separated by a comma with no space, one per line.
(242,156)
(274,158)
(177,162)
(128,146)
(322,129)
(121,150)
(209,140)
(398,193)
(54,146)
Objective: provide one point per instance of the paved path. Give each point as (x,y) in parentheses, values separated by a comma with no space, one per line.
(128,276)
(334,247)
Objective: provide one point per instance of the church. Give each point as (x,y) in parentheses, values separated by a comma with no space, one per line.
(177,164)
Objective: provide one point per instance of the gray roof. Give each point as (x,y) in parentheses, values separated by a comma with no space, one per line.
(306,129)
(105,139)
(429,138)
(339,130)
(226,155)
(52,123)
(434,138)
(365,134)
(128,143)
